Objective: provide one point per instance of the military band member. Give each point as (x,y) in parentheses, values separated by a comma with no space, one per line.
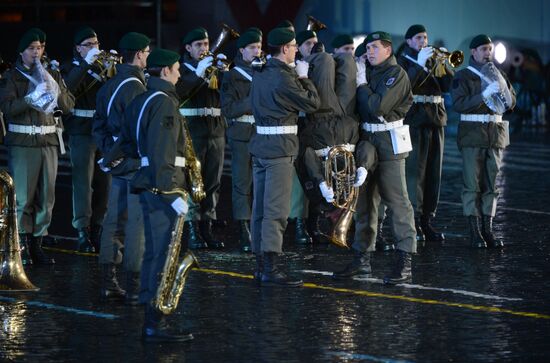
(33,137)
(201,107)
(384,97)
(123,223)
(237,110)
(90,185)
(306,40)
(278,93)
(482,137)
(427,118)
(343,43)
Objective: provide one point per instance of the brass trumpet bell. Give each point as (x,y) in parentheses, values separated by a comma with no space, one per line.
(314,24)
(454,59)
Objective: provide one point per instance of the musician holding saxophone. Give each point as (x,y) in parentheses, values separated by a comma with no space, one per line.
(32,98)
(481,94)
(84,77)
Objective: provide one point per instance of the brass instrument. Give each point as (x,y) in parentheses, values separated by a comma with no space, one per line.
(455,59)
(259,62)
(12,274)
(193,168)
(107,61)
(314,24)
(227,34)
(340,176)
(174,272)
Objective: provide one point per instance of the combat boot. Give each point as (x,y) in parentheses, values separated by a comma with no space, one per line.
(110,288)
(132,288)
(95,236)
(476,239)
(194,240)
(487,232)
(430,233)
(245,241)
(155,331)
(402,270)
(359,266)
(314,230)
(382,243)
(206,233)
(84,244)
(420,236)
(273,276)
(301,236)
(259,268)
(24,242)
(37,253)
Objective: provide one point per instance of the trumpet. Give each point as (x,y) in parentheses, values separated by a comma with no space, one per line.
(107,61)
(227,34)
(314,24)
(259,61)
(442,56)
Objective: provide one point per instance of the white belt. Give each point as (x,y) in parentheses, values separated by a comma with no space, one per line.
(427,99)
(245,118)
(481,118)
(83,113)
(179,161)
(276,130)
(205,111)
(382,127)
(324,151)
(32,130)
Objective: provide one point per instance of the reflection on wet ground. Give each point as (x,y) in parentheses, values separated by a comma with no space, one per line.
(463,305)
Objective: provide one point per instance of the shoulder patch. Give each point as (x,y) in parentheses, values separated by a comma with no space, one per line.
(390,81)
(168,122)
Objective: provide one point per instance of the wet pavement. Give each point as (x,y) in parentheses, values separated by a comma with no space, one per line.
(463,305)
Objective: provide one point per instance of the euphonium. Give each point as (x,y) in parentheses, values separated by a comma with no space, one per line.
(174,272)
(12,274)
(340,176)
(314,24)
(227,34)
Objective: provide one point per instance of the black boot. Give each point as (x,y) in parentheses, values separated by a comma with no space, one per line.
(95,236)
(37,253)
(194,240)
(382,243)
(49,241)
(259,268)
(154,330)
(245,241)
(272,276)
(476,239)
(109,283)
(419,231)
(132,288)
(487,232)
(314,230)
(24,243)
(402,270)
(430,233)
(206,232)
(359,266)
(84,244)
(301,236)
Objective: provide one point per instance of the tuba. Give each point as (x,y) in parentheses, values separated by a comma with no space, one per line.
(12,274)
(174,272)
(227,34)
(314,24)
(340,176)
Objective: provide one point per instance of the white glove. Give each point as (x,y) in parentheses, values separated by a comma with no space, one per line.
(424,55)
(361,76)
(92,55)
(327,192)
(220,58)
(491,88)
(360,176)
(203,64)
(180,206)
(302,68)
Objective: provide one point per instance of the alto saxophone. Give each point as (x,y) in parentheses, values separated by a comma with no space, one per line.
(174,272)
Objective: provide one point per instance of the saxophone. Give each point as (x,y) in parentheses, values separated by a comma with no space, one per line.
(174,272)
(193,168)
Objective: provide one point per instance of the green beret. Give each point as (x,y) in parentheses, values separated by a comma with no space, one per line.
(254,29)
(478,40)
(360,50)
(195,34)
(84,33)
(341,40)
(40,33)
(377,36)
(415,29)
(305,35)
(134,41)
(248,37)
(162,58)
(280,36)
(30,36)
(285,24)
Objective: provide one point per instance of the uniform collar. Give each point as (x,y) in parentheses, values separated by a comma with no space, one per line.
(385,64)
(126,70)
(475,64)
(158,84)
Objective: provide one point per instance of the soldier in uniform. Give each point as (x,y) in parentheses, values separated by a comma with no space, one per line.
(482,137)
(237,110)
(278,93)
(426,118)
(343,43)
(306,40)
(123,223)
(33,136)
(90,185)
(201,107)
(383,97)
